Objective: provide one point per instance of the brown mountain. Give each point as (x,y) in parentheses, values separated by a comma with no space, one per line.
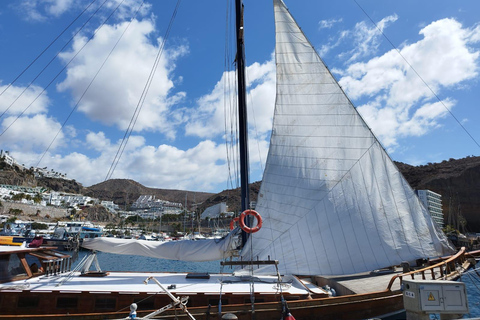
(458,181)
(124,192)
(232,197)
(16,176)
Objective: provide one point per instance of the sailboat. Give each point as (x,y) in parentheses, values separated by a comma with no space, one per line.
(332,208)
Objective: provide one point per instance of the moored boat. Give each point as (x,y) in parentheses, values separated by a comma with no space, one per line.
(38,283)
(12,240)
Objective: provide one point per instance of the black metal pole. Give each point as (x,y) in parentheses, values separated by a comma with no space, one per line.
(242,109)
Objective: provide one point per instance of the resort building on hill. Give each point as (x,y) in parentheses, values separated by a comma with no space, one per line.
(69,199)
(149,202)
(433,202)
(8,159)
(45,173)
(110,206)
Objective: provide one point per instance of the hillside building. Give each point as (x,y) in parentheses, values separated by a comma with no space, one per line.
(149,202)
(433,202)
(5,155)
(44,173)
(8,159)
(110,206)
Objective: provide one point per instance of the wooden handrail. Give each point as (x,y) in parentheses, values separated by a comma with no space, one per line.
(449,265)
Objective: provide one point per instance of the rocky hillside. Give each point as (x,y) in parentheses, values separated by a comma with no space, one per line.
(231,197)
(124,192)
(14,176)
(458,181)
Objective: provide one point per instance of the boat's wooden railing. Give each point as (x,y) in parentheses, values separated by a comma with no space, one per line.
(53,262)
(442,270)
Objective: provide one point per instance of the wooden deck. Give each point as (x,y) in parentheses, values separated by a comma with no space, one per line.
(360,283)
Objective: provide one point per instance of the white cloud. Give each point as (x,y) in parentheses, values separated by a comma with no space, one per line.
(201,167)
(58,7)
(41,10)
(118,87)
(30,133)
(208,120)
(97,141)
(425,118)
(402,104)
(474,35)
(367,38)
(333,43)
(15,100)
(37,10)
(364,39)
(327,24)
(126,9)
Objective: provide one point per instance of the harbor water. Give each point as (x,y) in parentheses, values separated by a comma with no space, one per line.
(114,262)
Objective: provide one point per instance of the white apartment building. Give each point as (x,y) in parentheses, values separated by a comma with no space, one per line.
(149,202)
(7,158)
(110,206)
(74,200)
(433,202)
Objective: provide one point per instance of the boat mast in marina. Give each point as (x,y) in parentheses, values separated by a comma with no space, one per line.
(242,111)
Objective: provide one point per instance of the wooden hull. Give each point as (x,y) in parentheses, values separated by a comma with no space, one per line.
(20,303)
(340,308)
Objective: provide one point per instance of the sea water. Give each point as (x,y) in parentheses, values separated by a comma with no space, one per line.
(114,262)
(471,278)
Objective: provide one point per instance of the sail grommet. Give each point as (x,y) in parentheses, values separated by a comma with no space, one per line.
(257,216)
(232,223)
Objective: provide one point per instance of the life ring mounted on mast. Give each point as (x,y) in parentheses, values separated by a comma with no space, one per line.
(246,228)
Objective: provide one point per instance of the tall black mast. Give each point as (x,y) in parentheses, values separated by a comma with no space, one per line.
(242,108)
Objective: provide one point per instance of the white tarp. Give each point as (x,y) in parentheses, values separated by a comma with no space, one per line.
(332,201)
(185,250)
(215,210)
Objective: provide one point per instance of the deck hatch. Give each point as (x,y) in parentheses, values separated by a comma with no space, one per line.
(198,275)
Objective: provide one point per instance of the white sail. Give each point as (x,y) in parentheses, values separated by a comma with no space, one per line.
(332,201)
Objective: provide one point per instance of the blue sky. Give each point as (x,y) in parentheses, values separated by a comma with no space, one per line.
(178,139)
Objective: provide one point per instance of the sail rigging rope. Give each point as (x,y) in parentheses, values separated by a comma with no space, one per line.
(257,137)
(419,76)
(43,51)
(230,102)
(60,72)
(91,81)
(142,98)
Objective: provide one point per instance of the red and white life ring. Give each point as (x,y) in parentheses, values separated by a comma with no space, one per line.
(257,216)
